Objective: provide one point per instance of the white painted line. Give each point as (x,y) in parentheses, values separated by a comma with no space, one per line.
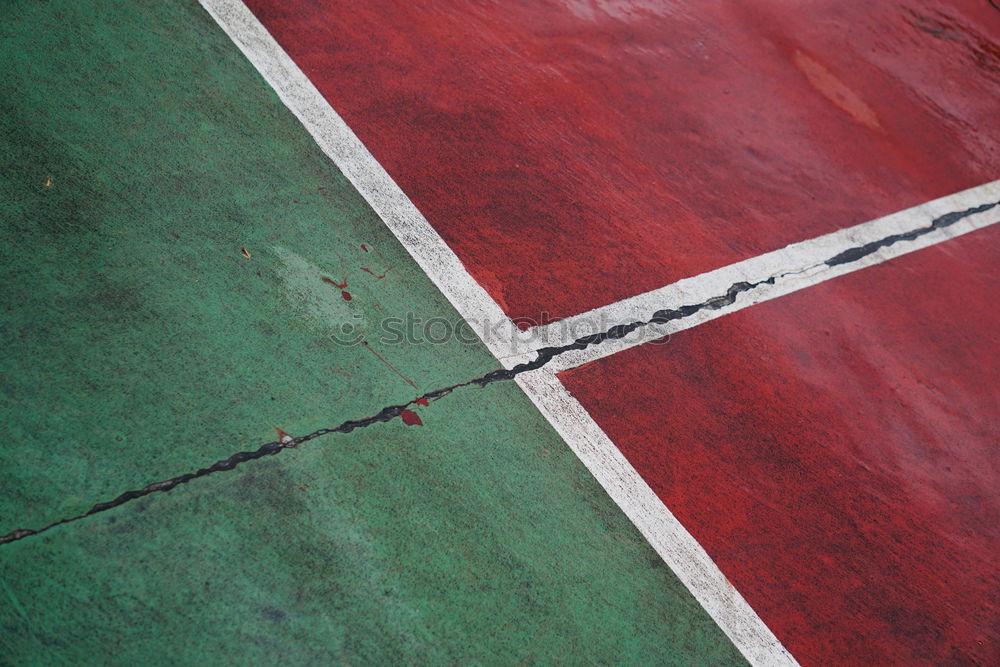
(361,168)
(671,541)
(679,550)
(804,260)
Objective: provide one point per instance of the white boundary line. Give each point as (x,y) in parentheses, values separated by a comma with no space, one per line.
(803,262)
(675,545)
(342,146)
(670,540)
(667,536)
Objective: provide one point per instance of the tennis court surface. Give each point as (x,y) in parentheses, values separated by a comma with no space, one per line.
(575,331)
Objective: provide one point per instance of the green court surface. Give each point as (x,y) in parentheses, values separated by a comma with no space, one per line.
(141,154)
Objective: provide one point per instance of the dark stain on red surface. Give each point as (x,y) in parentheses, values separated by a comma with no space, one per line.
(984,52)
(574,154)
(411,418)
(834,451)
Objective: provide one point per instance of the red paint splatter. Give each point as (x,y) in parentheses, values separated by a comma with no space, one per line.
(411,418)
(335,283)
(342,287)
(363,247)
(421,401)
(282,436)
(376,275)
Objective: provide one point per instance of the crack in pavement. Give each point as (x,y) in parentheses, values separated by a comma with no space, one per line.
(543,356)
(940,222)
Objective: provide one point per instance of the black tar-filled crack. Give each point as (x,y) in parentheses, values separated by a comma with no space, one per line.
(543,356)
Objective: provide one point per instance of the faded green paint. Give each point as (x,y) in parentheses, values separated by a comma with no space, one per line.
(139,343)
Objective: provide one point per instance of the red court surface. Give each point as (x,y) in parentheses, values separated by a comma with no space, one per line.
(578,152)
(834,451)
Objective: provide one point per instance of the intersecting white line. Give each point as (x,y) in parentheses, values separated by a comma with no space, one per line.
(801,264)
(668,537)
(342,146)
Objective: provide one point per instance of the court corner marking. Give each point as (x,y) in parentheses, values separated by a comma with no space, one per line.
(669,539)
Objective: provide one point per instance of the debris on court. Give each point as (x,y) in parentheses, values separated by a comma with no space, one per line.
(411,418)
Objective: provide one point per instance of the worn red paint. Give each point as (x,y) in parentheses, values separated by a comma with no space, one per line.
(421,401)
(834,451)
(411,418)
(377,276)
(577,153)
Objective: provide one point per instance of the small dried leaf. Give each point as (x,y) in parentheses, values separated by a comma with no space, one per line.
(246,253)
